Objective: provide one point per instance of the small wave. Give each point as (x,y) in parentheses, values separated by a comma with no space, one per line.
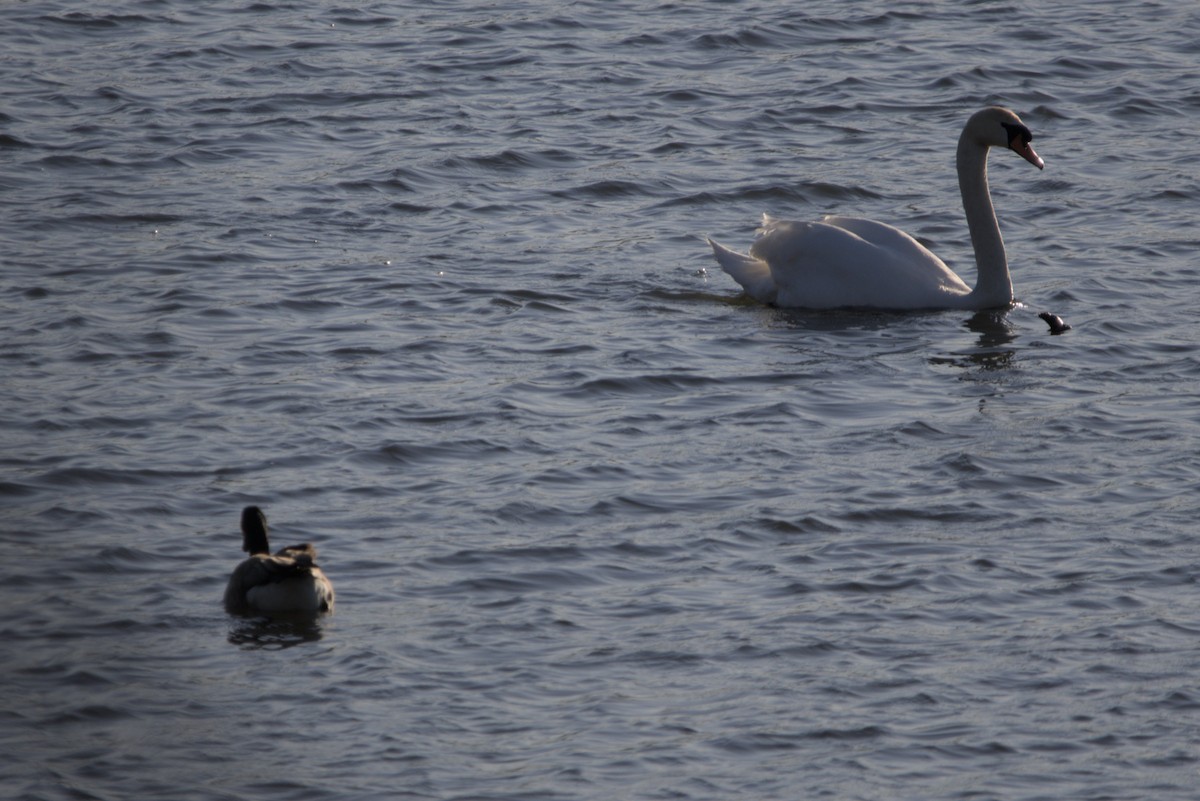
(1082,66)
(480,62)
(776,195)
(605,190)
(433,452)
(745,38)
(138,219)
(12,489)
(763,741)
(88,713)
(79,19)
(90,476)
(520,583)
(871,587)
(568,553)
(512,160)
(641,385)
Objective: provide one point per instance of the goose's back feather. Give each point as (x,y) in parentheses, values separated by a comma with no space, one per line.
(286,581)
(304,553)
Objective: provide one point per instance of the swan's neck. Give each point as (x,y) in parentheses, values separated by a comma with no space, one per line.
(993,286)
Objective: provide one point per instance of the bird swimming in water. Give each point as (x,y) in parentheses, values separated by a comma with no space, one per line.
(288,581)
(849,262)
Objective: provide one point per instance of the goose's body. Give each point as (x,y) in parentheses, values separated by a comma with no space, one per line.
(288,581)
(850,262)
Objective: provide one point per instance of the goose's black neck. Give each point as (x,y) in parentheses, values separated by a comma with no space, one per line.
(254,531)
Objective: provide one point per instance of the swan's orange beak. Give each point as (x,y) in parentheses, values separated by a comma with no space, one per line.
(1025,150)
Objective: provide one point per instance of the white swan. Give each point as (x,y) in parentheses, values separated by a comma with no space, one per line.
(850,262)
(287,581)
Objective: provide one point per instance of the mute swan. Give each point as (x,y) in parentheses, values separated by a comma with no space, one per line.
(851,262)
(288,581)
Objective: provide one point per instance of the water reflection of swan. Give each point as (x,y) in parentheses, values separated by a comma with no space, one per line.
(850,262)
(994,349)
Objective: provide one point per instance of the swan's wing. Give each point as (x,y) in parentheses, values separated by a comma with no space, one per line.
(885,236)
(846,261)
(753,274)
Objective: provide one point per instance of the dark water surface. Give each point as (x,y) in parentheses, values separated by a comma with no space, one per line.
(428,282)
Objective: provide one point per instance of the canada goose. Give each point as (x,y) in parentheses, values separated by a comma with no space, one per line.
(286,581)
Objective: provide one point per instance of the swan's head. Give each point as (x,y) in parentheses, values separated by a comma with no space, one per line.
(254,531)
(999,127)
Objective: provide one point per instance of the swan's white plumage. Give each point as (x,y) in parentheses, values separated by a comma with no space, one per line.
(753,274)
(851,262)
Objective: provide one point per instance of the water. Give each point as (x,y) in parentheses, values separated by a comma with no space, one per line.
(428,283)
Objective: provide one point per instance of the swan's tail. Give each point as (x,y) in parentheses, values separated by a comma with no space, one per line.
(753,274)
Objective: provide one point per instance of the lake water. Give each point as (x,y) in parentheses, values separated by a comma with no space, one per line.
(428,282)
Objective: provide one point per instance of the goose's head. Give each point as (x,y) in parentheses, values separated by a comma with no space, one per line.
(1000,127)
(254,531)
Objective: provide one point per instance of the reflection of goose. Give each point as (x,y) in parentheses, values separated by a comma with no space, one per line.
(287,581)
(847,262)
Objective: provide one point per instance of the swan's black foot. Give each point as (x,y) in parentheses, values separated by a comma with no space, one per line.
(1056,323)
